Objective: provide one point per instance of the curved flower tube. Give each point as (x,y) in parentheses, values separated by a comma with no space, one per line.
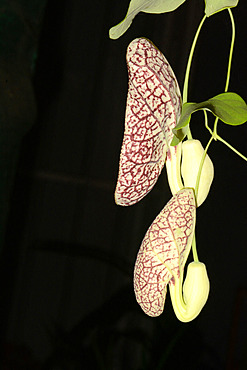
(188,301)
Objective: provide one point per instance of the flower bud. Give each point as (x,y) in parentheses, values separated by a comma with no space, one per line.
(188,305)
(196,287)
(192,152)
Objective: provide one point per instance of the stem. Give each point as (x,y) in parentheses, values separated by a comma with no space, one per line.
(188,68)
(201,165)
(229,61)
(194,250)
(231,50)
(189,134)
(206,121)
(215,135)
(231,147)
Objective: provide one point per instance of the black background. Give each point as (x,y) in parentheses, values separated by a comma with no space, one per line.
(69,248)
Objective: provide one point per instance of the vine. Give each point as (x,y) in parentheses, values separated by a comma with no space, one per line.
(171,236)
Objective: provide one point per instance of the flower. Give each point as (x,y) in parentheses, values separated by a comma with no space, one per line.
(164,251)
(153,107)
(152,112)
(161,259)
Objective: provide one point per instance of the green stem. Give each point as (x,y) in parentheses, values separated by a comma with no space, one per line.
(189,134)
(229,61)
(201,165)
(214,135)
(206,121)
(231,50)
(185,99)
(194,250)
(231,147)
(188,68)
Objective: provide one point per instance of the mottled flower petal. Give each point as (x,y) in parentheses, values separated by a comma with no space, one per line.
(164,251)
(153,105)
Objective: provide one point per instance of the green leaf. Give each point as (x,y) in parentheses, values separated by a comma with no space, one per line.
(180,131)
(146,6)
(215,6)
(229,107)
(187,110)
(179,135)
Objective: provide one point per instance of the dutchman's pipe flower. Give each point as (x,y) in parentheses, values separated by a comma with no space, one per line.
(152,111)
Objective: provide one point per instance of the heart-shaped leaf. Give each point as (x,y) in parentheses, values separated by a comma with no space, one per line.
(146,6)
(229,107)
(153,103)
(215,6)
(164,251)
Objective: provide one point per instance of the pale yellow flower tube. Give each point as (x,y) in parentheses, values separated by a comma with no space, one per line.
(188,305)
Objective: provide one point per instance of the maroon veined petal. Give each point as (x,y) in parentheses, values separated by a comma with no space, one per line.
(164,251)
(153,105)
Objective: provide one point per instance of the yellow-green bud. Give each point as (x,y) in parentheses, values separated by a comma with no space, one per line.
(188,305)
(192,152)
